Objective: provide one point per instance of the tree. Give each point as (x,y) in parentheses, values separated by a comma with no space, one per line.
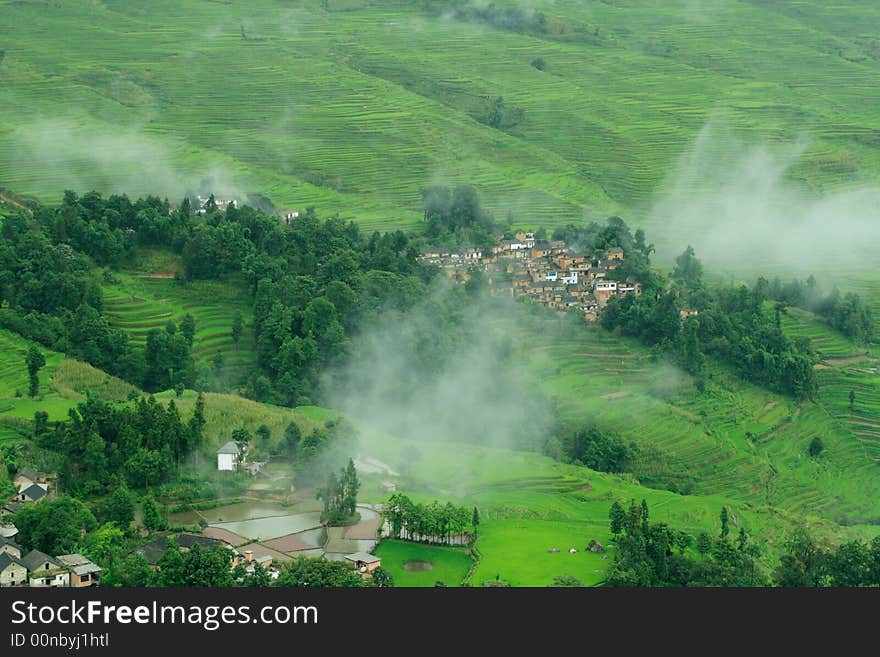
(617,516)
(53,526)
(34,360)
(725,522)
(105,544)
(188,328)
(318,572)
(152,518)
(241,437)
(350,488)
(475,520)
(264,434)
(704,543)
(197,423)
(120,507)
(199,567)
(237,327)
(382,578)
(292,437)
(566,580)
(130,571)
(852,399)
(688,270)
(803,563)
(816,447)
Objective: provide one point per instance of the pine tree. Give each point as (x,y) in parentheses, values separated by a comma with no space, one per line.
(152,520)
(34,360)
(725,522)
(618,518)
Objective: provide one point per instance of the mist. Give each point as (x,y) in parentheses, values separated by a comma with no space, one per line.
(113,159)
(444,370)
(741,207)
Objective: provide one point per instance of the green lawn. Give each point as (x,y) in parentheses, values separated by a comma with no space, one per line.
(448,565)
(516,551)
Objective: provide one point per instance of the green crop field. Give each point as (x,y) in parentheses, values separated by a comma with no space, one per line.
(139,301)
(447,565)
(354,106)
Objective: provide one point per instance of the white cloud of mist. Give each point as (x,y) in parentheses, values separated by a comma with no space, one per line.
(413,376)
(738,205)
(113,160)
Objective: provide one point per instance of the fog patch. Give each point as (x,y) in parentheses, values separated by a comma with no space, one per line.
(444,370)
(114,160)
(739,205)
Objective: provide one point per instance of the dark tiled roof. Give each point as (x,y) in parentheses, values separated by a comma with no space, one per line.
(35,492)
(34,559)
(9,541)
(6,559)
(33,475)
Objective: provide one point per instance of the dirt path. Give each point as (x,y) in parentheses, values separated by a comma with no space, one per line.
(12,201)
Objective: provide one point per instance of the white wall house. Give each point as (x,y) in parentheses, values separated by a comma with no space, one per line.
(551,276)
(227,457)
(570,279)
(44,571)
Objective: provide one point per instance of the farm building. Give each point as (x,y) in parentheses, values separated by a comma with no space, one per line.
(364,562)
(12,571)
(228,457)
(82,571)
(31,493)
(44,571)
(10,547)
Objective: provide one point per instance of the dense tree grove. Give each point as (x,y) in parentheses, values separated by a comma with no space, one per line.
(434,522)
(308,572)
(455,217)
(598,451)
(806,564)
(730,324)
(339,495)
(846,313)
(54,526)
(103,446)
(654,554)
(312,281)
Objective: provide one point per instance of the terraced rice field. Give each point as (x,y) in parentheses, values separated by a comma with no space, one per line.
(16,408)
(827,342)
(735,439)
(138,304)
(529,504)
(353,107)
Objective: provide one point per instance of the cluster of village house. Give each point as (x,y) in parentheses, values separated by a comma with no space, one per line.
(546,271)
(36,568)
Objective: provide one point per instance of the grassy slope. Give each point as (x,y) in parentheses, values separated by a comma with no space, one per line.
(137,303)
(355,110)
(530,503)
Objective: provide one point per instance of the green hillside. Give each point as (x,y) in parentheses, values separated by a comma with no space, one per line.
(353,106)
(149,298)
